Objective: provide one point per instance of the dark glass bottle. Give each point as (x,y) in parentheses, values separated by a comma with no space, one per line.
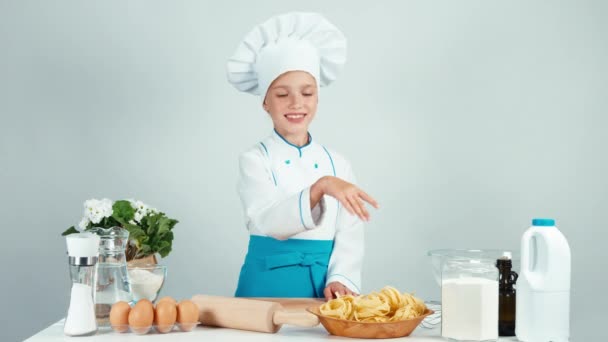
(506,296)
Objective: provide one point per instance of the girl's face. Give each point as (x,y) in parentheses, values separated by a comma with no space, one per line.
(291,101)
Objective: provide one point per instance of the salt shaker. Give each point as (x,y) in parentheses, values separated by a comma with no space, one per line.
(83,251)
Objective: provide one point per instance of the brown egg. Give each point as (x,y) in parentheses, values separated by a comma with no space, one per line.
(167,298)
(187,315)
(141,316)
(165,316)
(119,316)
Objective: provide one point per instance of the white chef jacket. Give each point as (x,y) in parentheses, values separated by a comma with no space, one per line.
(274,187)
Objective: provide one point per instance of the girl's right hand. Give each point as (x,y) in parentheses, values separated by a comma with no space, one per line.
(351,197)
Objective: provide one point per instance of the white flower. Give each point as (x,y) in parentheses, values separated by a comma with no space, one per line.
(139,215)
(83,224)
(95,210)
(140,206)
(141,210)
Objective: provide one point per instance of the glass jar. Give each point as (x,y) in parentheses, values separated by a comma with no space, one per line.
(469,298)
(112,278)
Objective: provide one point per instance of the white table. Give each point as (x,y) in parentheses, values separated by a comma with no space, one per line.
(201,333)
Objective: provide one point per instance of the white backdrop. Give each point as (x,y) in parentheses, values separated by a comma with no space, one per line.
(465,119)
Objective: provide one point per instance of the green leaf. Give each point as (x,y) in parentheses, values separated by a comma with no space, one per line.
(164,248)
(165,225)
(145,250)
(135,232)
(152,225)
(153,234)
(122,222)
(122,210)
(108,222)
(69,231)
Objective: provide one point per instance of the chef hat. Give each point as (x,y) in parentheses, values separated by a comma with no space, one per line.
(287,42)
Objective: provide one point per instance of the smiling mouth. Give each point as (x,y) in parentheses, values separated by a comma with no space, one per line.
(295,116)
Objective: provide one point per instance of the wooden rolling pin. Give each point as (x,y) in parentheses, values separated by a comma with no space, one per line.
(249,314)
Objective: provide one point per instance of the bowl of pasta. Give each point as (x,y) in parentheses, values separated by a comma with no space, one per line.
(385,314)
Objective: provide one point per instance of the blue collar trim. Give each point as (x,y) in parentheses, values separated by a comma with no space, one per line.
(299,148)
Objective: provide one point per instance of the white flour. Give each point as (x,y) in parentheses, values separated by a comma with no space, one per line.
(469,309)
(144,284)
(81,313)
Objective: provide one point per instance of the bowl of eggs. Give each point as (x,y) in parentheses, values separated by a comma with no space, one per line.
(162,317)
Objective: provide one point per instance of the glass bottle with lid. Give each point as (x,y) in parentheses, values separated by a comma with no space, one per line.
(506,296)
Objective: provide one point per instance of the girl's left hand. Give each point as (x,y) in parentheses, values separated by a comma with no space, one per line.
(334,288)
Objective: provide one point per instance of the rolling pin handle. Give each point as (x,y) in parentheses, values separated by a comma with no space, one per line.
(297,318)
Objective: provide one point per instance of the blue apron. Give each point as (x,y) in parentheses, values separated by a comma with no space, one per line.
(284,268)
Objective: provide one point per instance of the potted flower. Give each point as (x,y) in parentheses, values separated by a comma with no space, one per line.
(150,231)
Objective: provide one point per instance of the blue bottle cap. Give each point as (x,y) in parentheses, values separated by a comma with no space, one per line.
(543,222)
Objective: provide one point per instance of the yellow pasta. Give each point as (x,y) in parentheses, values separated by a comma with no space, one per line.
(388,305)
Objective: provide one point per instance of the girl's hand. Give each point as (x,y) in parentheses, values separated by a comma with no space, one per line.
(336,288)
(351,197)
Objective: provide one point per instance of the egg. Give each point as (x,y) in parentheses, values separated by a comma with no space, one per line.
(167,298)
(187,315)
(141,316)
(165,316)
(119,316)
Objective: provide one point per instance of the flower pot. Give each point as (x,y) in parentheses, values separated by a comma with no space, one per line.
(150,259)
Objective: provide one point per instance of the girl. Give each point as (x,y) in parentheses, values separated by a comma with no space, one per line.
(303,212)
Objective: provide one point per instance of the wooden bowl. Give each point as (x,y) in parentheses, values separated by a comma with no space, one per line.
(342,327)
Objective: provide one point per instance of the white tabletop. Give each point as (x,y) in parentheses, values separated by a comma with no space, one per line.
(201,333)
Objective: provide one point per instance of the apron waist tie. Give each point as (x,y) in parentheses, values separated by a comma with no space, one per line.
(293,259)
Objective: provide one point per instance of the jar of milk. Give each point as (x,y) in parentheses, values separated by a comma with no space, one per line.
(469,300)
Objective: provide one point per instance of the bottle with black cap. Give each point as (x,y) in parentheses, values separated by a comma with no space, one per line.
(506,295)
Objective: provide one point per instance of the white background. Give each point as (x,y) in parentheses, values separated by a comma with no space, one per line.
(465,119)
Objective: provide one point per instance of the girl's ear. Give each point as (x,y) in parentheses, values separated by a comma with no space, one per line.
(265,106)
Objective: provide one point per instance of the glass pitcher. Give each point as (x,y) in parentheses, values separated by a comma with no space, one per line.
(469,297)
(112,277)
